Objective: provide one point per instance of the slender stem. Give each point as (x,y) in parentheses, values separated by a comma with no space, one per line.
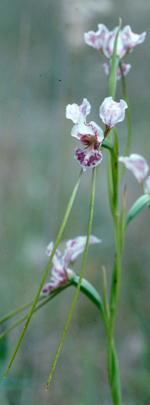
(128,117)
(15,311)
(80,278)
(105,300)
(113,369)
(112,75)
(46,270)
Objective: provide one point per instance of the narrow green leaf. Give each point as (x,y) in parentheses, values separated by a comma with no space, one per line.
(137,207)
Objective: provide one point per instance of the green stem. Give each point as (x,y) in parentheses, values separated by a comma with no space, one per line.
(112,76)
(113,372)
(128,117)
(113,369)
(80,278)
(46,270)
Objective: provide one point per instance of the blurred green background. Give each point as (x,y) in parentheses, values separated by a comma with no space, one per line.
(44,65)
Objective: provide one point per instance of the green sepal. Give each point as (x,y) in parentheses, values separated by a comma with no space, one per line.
(137,207)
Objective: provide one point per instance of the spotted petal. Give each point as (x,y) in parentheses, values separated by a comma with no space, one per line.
(96,39)
(57,254)
(88,157)
(131,40)
(112,112)
(76,246)
(74,110)
(87,133)
(137,165)
(108,46)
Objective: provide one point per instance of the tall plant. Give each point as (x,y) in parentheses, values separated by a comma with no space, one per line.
(114,46)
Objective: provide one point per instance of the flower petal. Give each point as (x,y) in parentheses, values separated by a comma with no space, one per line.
(96,39)
(73,110)
(88,157)
(137,165)
(112,112)
(76,246)
(132,39)
(57,253)
(108,45)
(47,288)
(103,40)
(87,133)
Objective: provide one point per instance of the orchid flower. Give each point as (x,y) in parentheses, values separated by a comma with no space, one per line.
(103,40)
(139,167)
(91,135)
(61,274)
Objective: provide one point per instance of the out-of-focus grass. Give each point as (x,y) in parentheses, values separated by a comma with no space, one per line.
(44,66)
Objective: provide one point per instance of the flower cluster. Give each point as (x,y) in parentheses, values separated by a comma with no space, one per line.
(139,167)
(61,274)
(103,40)
(91,135)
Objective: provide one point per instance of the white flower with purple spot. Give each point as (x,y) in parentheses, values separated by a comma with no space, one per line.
(138,166)
(90,135)
(61,274)
(103,40)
